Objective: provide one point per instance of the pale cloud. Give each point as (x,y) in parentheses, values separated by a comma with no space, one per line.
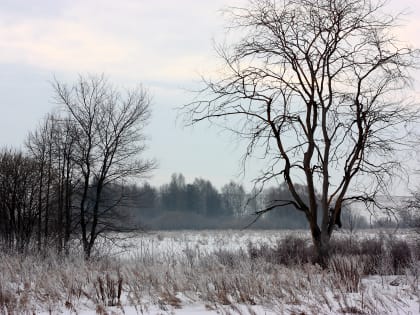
(60,45)
(409,23)
(162,40)
(148,40)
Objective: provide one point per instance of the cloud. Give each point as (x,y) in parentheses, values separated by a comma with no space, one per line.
(55,44)
(160,41)
(149,40)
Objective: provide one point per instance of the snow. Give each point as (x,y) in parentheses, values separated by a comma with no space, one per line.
(200,272)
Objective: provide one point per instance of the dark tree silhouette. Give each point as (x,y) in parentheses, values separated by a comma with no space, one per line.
(52,146)
(18,199)
(109,142)
(317,86)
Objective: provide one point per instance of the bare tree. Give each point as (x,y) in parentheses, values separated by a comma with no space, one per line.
(316,87)
(233,199)
(352,219)
(109,141)
(52,147)
(40,145)
(18,199)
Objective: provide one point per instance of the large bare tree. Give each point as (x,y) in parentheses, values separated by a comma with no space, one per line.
(107,150)
(317,87)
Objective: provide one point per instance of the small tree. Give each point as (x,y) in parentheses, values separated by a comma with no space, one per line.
(233,199)
(316,87)
(352,219)
(109,141)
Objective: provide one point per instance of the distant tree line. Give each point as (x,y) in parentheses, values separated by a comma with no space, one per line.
(200,205)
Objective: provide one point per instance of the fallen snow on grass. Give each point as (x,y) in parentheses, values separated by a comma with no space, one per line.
(205,272)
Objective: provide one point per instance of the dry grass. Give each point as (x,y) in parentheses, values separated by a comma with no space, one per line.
(222,281)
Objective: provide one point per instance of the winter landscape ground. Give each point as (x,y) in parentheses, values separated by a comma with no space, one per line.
(220,272)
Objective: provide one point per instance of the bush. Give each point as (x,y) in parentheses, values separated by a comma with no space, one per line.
(400,254)
(371,247)
(289,251)
(344,247)
(372,254)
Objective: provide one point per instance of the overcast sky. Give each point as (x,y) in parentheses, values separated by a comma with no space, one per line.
(163,44)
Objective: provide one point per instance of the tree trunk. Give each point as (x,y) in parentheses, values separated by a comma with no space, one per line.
(67,228)
(321,248)
(60,232)
(40,190)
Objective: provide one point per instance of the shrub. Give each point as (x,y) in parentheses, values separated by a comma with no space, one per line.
(400,254)
(293,250)
(289,251)
(372,252)
(371,247)
(344,247)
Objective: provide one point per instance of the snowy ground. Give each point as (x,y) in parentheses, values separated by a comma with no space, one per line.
(202,272)
(175,243)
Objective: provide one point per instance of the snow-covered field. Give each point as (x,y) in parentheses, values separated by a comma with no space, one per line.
(160,244)
(204,272)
